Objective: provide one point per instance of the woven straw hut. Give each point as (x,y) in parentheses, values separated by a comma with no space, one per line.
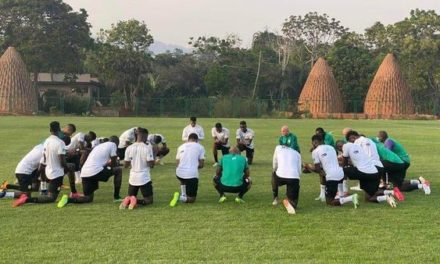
(17,95)
(388,93)
(320,93)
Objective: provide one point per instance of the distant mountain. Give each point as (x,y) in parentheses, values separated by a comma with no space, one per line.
(159,47)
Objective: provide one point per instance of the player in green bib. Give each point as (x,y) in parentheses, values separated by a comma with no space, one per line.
(232,176)
(288,139)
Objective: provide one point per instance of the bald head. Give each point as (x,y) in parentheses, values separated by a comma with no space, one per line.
(284,130)
(234,150)
(346,130)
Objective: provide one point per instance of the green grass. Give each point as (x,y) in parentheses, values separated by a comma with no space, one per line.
(223,233)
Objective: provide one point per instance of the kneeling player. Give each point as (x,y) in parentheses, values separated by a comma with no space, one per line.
(190,158)
(232,176)
(158,151)
(140,157)
(220,135)
(326,165)
(286,171)
(96,169)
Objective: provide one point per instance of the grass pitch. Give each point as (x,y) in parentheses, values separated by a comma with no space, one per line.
(206,231)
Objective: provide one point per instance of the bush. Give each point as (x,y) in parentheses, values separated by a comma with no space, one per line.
(76,105)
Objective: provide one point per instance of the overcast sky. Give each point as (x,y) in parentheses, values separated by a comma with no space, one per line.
(174,21)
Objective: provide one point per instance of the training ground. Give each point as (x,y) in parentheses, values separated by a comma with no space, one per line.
(254,232)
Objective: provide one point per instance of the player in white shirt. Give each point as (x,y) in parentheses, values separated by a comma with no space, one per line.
(159,151)
(96,169)
(80,144)
(220,135)
(286,171)
(193,127)
(126,138)
(364,170)
(190,158)
(245,140)
(139,158)
(326,164)
(54,157)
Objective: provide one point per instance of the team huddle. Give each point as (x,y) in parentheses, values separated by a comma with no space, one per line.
(378,163)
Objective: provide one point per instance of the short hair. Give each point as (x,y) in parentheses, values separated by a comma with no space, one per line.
(157,139)
(54,126)
(339,142)
(193,136)
(92,135)
(72,127)
(320,130)
(193,118)
(142,130)
(114,139)
(242,122)
(103,140)
(218,125)
(351,133)
(317,138)
(384,133)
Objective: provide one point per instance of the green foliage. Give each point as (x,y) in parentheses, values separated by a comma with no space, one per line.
(76,105)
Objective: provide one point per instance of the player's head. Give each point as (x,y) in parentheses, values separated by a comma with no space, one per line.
(284,130)
(382,136)
(193,137)
(69,129)
(320,131)
(352,136)
(317,140)
(103,140)
(339,144)
(142,134)
(114,139)
(218,127)
(89,137)
(234,150)
(54,127)
(243,126)
(346,130)
(193,121)
(157,139)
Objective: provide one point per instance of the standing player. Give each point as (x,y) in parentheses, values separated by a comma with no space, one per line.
(190,158)
(126,138)
(159,151)
(286,171)
(326,165)
(96,169)
(139,156)
(288,139)
(245,141)
(54,151)
(232,176)
(367,174)
(220,135)
(193,127)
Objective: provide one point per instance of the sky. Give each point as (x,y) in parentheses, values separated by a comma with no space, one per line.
(175,21)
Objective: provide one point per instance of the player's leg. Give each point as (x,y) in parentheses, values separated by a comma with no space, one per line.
(53,191)
(244,188)
(117,183)
(147,194)
(192,186)
(275,186)
(70,170)
(121,153)
(250,155)
(322,184)
(292,191)
(214,152)
(219,187)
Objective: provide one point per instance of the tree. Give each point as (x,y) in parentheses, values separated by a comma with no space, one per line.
(47,33)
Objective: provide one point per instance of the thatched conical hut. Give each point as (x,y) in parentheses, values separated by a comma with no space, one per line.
(320,93)
(389,93)
(17,95)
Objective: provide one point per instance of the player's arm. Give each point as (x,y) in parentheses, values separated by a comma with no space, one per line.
(275,161)
(150,157)
(127,164)
(201,163)
(389,144)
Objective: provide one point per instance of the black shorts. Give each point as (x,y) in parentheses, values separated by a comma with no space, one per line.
(331,189)
(192,185)
(231,189)
(249,151)
(55,185)
(121,153)
(395,172)
(25,181)
(225,150)
(292,187)
(146,189)
(74,160)
(91,184)
(369,182)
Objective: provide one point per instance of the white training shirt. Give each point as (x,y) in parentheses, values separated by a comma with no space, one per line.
(189,155)
(327,157)
(128,135)
(358,157)
(287,162)
(139,154)
(188,130)
(151,137)
(31,161)
(76,141)
(369,147)
(224,134)
(96,142)
(98,158)
(53,147)
(246,137)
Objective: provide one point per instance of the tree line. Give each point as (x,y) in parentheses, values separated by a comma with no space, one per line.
(51,37)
